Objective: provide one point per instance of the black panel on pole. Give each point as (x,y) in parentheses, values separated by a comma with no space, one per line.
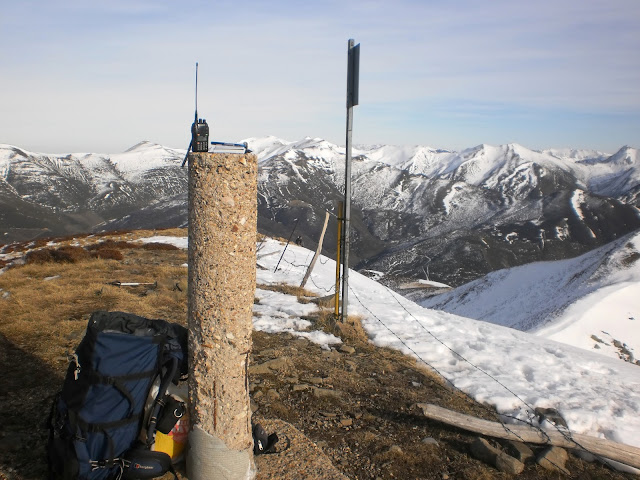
(353,76)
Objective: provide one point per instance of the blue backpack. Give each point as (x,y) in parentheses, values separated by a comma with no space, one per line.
(97,418)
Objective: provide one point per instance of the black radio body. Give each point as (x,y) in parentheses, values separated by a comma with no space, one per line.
(200,136)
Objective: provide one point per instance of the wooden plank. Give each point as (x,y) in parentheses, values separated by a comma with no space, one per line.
(619,452)
(318,250)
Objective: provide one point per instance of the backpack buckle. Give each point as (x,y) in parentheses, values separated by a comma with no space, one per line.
(78,369)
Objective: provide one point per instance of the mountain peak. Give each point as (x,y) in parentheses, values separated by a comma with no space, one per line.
(142,145)
(625,157)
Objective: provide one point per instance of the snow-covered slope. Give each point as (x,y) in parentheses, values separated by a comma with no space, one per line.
(591,301)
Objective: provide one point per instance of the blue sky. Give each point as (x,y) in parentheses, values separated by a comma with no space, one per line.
(102,76)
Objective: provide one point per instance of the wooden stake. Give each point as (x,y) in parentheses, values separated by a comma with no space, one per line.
(318,250)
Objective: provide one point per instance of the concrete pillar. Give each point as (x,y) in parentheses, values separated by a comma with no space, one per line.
(222,283)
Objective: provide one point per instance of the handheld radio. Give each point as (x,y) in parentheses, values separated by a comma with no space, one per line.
(199,128)
(200,136)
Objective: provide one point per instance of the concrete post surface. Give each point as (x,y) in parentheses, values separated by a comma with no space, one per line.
(222,283)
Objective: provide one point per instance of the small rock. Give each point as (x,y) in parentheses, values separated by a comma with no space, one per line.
(484,451)
(258,395)
(332,355)
(316,380)
(368,417)
(507,464)
(329,414)
(519,451)
(487,453)
(347,349)
(300,387)
(430,441)
(346,422)
(554,458)
(395,450)
(326,393)
(550,415)
(272,395)
(351,366)
(269,366)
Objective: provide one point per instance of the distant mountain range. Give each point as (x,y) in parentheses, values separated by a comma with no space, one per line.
(416,210)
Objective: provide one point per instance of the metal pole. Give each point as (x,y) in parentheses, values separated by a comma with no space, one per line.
(285,247)
(338,259)
(351,92)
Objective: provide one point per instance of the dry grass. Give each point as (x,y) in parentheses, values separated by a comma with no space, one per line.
(303,295)
(113,244)
(159,246)
(352,330)
(54,300)
(90,239)
(170,232)
(323,319)
(107,254)
(65,254)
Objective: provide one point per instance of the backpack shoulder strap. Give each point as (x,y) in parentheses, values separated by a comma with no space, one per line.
(158,403)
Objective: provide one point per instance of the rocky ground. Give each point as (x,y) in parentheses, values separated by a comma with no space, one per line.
(358,405)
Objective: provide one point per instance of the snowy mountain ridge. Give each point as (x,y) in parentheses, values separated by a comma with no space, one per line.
(472,212)
(475,165)
(481,165)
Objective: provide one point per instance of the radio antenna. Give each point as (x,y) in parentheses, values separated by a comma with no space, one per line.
(196,117)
